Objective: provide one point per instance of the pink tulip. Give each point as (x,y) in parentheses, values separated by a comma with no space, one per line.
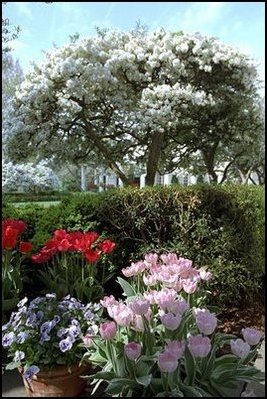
(122,314)
(178,285)
(189,286)
(132,350)
(150,296)
(205,275)
(139,306)
(206,321)
(176,348)
(167,362)
(108,301)
(151,279)
(127,272)
(239,347)
(138,323)
(151,259)
(251,335)
(108,330)
(169,258)
(179,306)
(167,278)
(87,340)
(199,346)
(170,321)
(165,297)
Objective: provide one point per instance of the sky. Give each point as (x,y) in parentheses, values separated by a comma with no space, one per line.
(239,24)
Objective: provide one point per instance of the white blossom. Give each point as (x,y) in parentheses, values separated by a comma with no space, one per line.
(28,178)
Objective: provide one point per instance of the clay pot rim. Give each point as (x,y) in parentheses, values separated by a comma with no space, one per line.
(59,370)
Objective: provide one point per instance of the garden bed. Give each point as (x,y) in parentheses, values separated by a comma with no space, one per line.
(235,318)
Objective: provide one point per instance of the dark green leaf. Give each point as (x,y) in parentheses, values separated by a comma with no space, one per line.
(190,367)
(144,380)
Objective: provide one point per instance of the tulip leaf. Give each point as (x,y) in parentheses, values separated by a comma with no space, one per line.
(225,359)
(127,288)
(117,385)
(249,357)
(144,380)
(190,367)
(104,375)
(190,391)
(12,366)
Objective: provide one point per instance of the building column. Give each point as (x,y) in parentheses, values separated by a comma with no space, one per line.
(83,177)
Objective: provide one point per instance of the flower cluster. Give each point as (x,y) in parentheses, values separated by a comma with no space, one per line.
(14,251)
(47,332)
(28,177)
(76,241)
(11,231)
(156,343)
(169,271)
(73,257)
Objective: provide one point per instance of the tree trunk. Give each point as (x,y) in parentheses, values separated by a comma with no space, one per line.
(244,176)
(111,163)
(153,157)
(208,157)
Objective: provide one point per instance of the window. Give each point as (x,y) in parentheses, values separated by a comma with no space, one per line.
(185,180)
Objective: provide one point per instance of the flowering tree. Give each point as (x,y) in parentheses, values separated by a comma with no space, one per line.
(28,177)
(242,157)
(150,97)
(12,76)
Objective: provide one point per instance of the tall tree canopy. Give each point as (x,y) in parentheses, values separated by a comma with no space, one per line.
(153,97)
(12,76)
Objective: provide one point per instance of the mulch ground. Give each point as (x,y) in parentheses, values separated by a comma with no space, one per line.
(233,319)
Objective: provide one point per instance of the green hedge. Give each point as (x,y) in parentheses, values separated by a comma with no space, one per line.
(35,197)
(218,226)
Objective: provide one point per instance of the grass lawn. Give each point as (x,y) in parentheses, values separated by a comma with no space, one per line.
(42,203)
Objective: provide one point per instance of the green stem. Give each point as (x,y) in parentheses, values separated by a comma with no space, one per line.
(82,271)
(165,382)
(103,271)
(66,271)
(111,357)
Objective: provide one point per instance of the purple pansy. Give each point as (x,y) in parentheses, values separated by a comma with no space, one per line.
(8,339)
(22,336)
(19,355)
(65,345)
(30,372)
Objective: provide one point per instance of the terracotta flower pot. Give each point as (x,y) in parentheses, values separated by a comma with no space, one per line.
(58,382)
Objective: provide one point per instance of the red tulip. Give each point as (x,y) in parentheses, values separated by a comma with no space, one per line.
(63,245)
(9,238)
(25,247)
(107,246)
(15,224)
(42,257)
(92,255)
(60,234)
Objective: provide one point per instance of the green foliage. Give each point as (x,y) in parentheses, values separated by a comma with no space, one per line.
(8,210)
(218,226)
(34,197)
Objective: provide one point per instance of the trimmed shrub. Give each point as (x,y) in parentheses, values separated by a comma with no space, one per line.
(31,197)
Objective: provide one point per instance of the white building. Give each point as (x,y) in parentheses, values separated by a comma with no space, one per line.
(104,179)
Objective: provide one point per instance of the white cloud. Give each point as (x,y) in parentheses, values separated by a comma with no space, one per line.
(198,16)
(71,11)
(24,8)
(109,11)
